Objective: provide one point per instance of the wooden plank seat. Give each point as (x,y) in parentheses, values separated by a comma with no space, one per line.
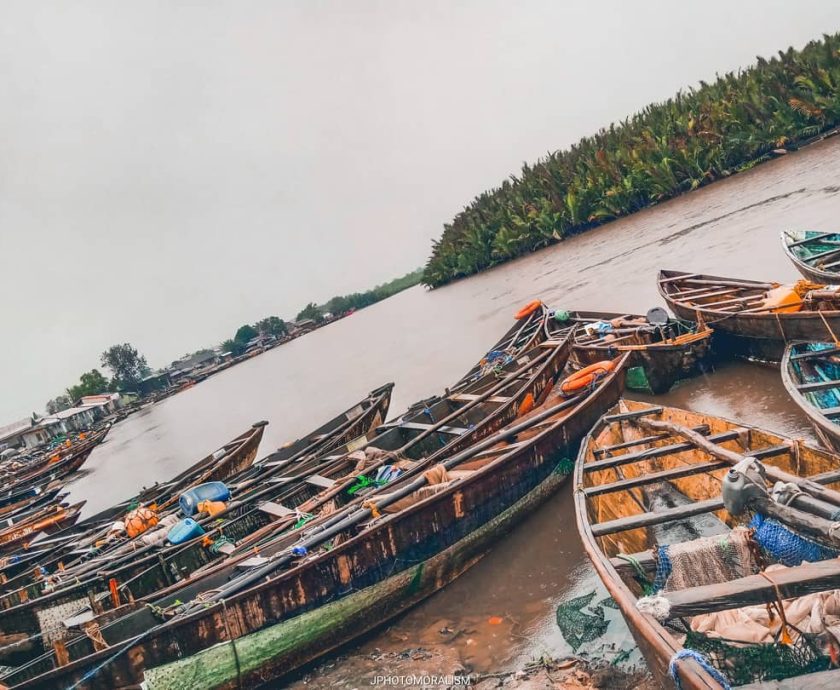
(469,397)
(657,518)
(656,452)
(700,429)
(419,426)
(811,354)
(817,386)
(756,589)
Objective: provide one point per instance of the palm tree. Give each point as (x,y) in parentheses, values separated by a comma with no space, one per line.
(692,139)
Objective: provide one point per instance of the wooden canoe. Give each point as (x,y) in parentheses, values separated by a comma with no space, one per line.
(235,456)
(294,610)
(306,487)
(57,466)
(48,520)
(811,376)
(523,335)
(351,424)
(666,354)
(626,464)
(750,318)
(816,255)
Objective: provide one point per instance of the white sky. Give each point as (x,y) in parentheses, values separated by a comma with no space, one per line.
(169,171)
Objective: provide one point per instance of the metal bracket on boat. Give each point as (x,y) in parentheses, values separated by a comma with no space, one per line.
(743,483)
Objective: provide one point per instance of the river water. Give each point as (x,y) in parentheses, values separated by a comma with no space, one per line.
(424,340)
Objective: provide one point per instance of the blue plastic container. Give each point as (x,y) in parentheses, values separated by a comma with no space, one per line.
(211,491)
(185,530)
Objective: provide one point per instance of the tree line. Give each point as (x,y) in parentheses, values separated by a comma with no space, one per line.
(128,367)
(694,138)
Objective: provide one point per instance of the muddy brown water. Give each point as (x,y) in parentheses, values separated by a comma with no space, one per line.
(502,611)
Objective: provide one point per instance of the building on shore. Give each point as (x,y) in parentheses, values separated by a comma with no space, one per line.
(154,382)
(303,326)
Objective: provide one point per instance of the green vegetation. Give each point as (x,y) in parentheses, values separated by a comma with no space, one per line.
(692,139)
(245,333)
(58,403)
(272,325)
(129,366)
(359,300)
(126,364)
(90,383)
(310,311)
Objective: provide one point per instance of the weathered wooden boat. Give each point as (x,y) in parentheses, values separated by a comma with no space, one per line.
(48,520)
(661,495)
(235,456)
(661,353)
(55,466)
(338,582)
(306,488)
(752,318)
(233,459)
(357,421)
(525,333)
(815,254)
(811,376)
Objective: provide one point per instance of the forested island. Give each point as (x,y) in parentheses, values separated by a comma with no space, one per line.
(692,139)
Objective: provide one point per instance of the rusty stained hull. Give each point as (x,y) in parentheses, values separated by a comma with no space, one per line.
(447,530)
(241,457)
(150,569)
(759,335)
(663,364)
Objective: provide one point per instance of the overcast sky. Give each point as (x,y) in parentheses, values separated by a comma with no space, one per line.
(171,170)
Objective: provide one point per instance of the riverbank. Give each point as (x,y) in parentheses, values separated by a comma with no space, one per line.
(439,667)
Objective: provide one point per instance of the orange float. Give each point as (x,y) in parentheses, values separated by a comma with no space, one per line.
(583,378)
(139,520)
(528,309)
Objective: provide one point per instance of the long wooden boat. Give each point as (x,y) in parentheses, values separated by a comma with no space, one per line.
(811,376)
(815,254)
(663,352)
(48,520)
(354,422)
(650,512)
(235,456)
(306,489)
(57,466)
(751,318)
(337,583)
(525,333)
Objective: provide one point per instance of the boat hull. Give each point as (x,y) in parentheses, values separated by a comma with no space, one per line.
(278,650)
(448,530)
(663,365)
(827,432)
(814,274)
(758,335)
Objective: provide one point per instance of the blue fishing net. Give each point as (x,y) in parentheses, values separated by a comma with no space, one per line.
(781,545)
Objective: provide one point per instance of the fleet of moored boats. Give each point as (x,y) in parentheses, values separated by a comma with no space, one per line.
(239,571)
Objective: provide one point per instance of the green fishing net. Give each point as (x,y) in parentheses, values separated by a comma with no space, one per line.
(579,626)
(751,663)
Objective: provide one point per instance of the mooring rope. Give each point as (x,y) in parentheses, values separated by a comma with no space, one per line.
(704,664)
